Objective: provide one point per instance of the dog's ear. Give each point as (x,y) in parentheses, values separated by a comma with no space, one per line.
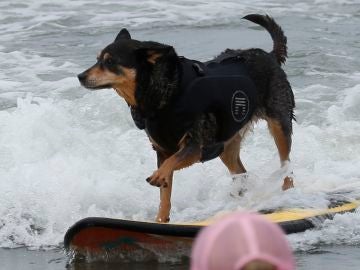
(152,51)
(123,34)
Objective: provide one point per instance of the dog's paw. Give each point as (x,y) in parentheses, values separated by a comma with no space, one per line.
(164,219)
(239,185)
(158,179)
(288,183)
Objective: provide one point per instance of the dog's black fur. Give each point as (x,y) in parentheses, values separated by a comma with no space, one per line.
(156,86)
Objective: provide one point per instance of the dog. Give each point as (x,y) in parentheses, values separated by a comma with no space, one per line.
(193,111)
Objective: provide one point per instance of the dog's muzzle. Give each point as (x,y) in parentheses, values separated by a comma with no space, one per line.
(82,77)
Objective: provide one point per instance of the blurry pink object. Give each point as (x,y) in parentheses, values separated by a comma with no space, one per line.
(238,239)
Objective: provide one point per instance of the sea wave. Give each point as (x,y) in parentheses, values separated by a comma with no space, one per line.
(67,153)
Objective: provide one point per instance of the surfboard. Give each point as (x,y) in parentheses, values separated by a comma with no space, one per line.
(109,238)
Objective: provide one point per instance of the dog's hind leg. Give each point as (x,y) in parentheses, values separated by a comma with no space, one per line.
(279,113)
(163,214)
(282,136)
(231,155)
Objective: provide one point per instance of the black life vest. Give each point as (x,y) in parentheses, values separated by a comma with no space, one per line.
(223,88)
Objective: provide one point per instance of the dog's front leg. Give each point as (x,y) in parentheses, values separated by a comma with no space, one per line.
(164,175)
(163,214)
(189,152)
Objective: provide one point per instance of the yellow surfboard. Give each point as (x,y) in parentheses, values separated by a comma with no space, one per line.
(121,238)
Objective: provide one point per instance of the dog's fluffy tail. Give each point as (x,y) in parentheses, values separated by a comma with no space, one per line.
(277,34)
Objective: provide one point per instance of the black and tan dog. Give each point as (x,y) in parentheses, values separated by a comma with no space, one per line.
(194,111)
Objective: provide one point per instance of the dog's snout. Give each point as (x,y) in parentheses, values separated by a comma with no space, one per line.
(82,76)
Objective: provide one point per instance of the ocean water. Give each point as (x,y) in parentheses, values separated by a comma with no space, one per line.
(67,153)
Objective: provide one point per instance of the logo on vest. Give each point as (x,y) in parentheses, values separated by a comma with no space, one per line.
(239,106)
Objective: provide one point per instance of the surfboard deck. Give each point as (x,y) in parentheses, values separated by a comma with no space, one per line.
(107,238)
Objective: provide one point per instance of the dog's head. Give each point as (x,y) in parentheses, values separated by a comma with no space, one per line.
(119,64)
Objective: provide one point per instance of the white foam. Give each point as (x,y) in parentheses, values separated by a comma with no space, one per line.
(87,156)
(343,229)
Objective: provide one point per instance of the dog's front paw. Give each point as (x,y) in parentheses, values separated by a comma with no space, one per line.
(158,179)
(162,219)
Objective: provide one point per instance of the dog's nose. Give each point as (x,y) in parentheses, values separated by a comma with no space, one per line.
(82,77)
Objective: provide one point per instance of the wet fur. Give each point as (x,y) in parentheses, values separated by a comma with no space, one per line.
(157,84)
